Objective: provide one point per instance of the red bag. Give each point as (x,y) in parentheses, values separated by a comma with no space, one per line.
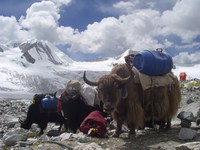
(94,124)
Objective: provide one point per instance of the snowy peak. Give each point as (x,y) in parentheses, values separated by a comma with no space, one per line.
(33,66)
(34,51)
(127,52)
(120,58)
(3,48)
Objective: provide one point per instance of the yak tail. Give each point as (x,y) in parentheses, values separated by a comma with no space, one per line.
(174,96)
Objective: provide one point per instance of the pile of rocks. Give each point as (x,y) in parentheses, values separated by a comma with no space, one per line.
(186,133)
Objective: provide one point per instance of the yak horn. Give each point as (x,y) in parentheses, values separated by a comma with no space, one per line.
(124,80)
(127,79)
(92,83)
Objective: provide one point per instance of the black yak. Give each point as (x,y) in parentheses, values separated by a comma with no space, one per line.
(75,109)
(37,114)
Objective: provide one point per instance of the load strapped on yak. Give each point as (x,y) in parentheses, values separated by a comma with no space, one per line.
(152,67)
(47,101)
(87,92)
(153,63)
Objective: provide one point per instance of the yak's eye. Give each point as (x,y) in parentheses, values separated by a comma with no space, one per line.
(100,87)
(100,95)
(115,84)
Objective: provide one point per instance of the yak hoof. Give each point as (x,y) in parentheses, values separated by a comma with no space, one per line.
(198,121)
(162,129)
(168,127)
(116,134)
(131,134)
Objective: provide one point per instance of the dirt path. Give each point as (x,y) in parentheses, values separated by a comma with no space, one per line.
(149,139)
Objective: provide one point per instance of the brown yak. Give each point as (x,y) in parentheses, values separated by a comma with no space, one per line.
(128,103)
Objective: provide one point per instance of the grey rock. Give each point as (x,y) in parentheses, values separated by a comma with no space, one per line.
(13,139)
(190,101)
(187,134)
(91,146)
(186,116)
(185,123)
(44,137)
(53,133)
(11,124)
(25,143)
(188,146)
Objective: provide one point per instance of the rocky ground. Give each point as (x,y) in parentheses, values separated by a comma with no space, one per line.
(12,137)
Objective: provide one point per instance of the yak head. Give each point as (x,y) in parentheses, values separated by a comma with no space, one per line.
(109,89)
(25,123)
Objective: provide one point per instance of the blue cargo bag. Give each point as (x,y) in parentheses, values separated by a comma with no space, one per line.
(153,62)
(49,103)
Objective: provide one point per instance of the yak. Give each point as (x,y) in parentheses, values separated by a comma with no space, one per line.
(75,109)
(36,114)
(128,103)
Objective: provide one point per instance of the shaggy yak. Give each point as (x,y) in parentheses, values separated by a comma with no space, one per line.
(129,103)
(36,114)
(75,109)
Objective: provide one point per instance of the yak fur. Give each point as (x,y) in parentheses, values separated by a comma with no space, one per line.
(158,104)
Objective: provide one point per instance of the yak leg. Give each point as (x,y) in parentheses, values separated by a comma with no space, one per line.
(118,130)
(131,127)
(60,126)
(165,125)
(162,125)
(43,126)
(168,125)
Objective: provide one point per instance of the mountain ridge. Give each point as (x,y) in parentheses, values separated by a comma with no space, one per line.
(36,66)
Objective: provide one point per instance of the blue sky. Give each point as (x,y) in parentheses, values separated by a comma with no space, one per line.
(87,29)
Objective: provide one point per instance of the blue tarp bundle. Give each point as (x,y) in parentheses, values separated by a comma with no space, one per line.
(49,102)
(153,62)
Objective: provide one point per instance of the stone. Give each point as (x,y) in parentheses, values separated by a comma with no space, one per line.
(186,116)
(185,123)
(13,139)
(188,146)
(53,133)
(187,134)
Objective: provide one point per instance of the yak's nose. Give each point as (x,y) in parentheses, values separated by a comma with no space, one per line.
(108,107)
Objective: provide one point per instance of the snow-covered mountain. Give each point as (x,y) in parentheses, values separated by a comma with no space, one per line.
(31,67)
(38,66)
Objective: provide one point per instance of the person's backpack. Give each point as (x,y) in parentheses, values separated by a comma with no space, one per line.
(94,124)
